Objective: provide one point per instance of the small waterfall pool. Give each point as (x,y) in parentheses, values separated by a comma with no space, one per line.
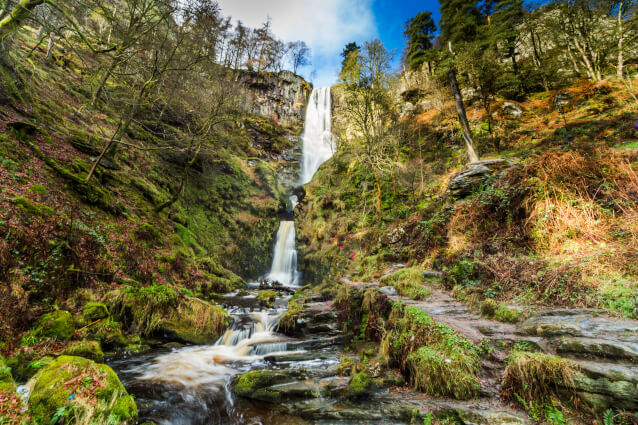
(191,385)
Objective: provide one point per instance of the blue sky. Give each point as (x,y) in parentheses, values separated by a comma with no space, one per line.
(327,25)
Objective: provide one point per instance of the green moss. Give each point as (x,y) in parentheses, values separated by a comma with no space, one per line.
(492,309)
(288,323)
(360,385)
(93,311)
(160,310)
(188,239)
(58,325)
(6,379)
(426,349)
(408,282)
(247,384)
(30,207)
(87,349)
(266,298)
(346,366)
(24,365)
(39,189)
(107,403)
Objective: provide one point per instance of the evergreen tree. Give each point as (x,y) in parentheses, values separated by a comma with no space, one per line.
(508,14)
(349,48)
(460,20)
(420,32)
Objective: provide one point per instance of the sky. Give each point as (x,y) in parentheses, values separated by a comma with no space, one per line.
(328,25)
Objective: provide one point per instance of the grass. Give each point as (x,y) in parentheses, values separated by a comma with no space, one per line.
(436,359)
(408,282)
(537,376)
(492,309)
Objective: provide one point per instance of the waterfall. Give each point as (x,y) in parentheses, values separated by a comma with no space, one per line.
(284,262)
(318,142)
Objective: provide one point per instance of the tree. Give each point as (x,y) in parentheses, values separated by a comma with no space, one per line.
(369,105)
(460,22)
(299,54)
(420,32)
(503,28)
(347,50)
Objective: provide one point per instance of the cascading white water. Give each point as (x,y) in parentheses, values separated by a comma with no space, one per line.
(284,262)
(209,368)
(318,143)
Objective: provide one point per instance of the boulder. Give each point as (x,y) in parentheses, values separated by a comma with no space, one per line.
(392,237)
(93,311)
(58,325)
(258,385)
(90,390)
(607,385)
(490,417)
(474,175)
(511,110)
(87,349)
(597,347)
(360,386)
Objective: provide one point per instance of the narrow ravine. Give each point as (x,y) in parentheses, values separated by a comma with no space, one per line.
(191,385)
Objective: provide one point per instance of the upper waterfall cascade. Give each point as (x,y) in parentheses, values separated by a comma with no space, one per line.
(318,143)
(284,262)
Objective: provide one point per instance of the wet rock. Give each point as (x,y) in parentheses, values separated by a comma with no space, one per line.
(63,383)
(58,325)
(473,175)
(594,347)
(273,386)
(368,414)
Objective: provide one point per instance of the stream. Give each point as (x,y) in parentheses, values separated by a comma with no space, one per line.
(191,385)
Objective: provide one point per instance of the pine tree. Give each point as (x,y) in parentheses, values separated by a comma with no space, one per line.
(508,14)
(420,32)
(349,48)
(460,20)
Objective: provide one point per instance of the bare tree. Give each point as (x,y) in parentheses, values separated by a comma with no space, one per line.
(299,54)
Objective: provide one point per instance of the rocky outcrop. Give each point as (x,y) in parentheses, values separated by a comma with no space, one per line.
(474,175)
(280,96)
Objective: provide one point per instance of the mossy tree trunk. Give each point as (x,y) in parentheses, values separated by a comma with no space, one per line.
(14,19)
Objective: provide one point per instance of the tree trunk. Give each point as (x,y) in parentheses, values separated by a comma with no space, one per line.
(460,109)
(379,196)
(50,46)
(621,39)
(103,80)
(10,23)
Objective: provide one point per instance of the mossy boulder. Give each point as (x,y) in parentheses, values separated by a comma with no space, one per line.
(360,385)
(162,312)
(108,332)
(32,208)
(266,298)
(58,325)
(87,349)
(93,311)
(255,384)
(84,389)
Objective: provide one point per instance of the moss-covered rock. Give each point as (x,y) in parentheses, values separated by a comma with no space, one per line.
(266,298)
(93,311)
(83,389)
(160,311)
(252,384)
(87,349)
(30,207)
(58,325)
(360,385)
(108,332)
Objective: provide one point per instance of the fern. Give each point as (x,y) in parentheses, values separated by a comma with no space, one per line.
(608,417)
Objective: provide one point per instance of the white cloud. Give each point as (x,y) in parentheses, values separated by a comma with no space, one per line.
(325,25)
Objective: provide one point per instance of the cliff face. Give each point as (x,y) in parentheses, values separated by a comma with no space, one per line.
(281,96)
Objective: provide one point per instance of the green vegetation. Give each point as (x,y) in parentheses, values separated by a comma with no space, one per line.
(266,298)
(360,385)
(87,349)
(409,283)
(58,325)
(92,393)
(494,310)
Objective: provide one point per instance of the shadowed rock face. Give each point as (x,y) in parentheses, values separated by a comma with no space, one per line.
(280,96)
